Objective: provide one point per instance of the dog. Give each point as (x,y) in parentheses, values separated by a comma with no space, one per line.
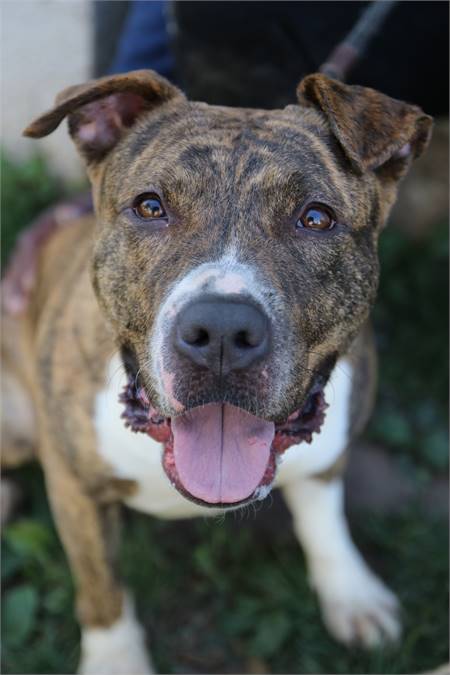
(206,335)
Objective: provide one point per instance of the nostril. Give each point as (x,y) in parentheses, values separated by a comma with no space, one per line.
(245,340)
(202,338)
(196,336)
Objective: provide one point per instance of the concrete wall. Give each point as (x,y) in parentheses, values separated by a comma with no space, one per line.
(45,46)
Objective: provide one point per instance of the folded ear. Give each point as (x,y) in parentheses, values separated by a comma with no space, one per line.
(373,129)
(100,111)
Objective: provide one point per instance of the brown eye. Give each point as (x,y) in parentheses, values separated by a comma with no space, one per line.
(317,217)
(149,207)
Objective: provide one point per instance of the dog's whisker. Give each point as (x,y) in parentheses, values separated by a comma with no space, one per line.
(118,370)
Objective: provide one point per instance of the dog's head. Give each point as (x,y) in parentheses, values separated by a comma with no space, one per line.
(235,257)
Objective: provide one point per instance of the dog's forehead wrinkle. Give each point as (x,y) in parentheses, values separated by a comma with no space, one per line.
(186,126)
(245,155)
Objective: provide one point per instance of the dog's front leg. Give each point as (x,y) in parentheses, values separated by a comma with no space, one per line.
(356,606)
(112,640)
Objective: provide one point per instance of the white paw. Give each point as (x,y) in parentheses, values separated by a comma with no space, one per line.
(357,608)
(117,650)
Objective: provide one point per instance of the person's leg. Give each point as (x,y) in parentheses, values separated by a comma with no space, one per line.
(109,19)
(144,42)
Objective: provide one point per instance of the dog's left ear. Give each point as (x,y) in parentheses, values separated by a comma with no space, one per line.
(374,130)
(101,111)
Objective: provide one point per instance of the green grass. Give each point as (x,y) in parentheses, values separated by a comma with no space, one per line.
(209,606)
(411,320)
(27,188)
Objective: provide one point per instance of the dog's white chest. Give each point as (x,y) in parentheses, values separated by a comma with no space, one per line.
(137,457)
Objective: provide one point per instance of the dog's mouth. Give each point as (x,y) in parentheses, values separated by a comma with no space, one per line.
(219,455)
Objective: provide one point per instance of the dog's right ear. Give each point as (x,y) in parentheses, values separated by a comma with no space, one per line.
(373,130)
(99,112)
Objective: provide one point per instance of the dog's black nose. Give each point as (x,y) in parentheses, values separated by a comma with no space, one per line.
(222,335)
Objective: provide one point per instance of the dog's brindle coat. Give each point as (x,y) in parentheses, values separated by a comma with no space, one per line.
(234,183)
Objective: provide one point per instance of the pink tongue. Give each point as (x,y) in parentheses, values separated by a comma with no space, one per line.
(221,452)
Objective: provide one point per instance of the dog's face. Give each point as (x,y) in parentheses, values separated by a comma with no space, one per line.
(236,257)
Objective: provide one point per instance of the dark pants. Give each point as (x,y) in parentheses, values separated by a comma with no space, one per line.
(254,53)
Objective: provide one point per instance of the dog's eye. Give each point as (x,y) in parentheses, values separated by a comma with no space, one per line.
(317,217)
(148,207)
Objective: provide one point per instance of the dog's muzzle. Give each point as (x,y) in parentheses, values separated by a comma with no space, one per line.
(218,352)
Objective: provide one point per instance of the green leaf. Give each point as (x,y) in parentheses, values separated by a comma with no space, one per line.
(11,564)
(394,428)
(57,600)
(272,631)
(29,539)
(19,609)
(435,449)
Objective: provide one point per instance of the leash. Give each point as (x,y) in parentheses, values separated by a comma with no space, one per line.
(347,53)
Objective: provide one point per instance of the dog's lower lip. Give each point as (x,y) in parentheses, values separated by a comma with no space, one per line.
(141,416)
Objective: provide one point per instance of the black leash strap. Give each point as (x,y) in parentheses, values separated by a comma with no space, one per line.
(347,53)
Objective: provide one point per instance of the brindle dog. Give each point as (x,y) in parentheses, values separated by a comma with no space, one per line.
(226,281)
